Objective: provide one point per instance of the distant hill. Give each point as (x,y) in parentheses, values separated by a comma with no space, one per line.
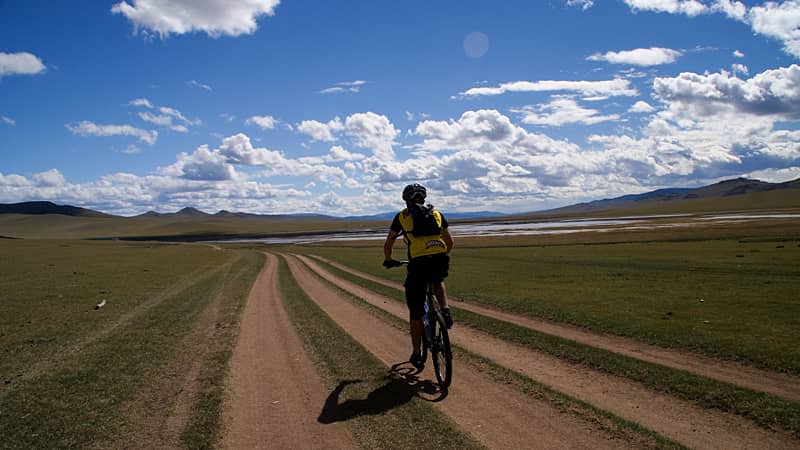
(723,189)
(671,196)
(41,208)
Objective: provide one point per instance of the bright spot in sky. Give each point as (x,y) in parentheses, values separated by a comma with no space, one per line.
(476,44)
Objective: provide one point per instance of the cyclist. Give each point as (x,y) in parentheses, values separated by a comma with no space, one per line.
(425,231)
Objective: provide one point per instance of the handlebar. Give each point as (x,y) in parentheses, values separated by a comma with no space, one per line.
(394,263)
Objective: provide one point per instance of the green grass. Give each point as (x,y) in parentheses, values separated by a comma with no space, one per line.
(67,369)
(383,412)
(55,226)
(734,299)
(764,409)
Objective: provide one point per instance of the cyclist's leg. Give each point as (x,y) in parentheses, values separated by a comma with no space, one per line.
(416,335)
(439,271)
(440,293)
(415,298)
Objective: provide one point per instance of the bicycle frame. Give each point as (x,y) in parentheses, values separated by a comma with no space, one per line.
(436,339)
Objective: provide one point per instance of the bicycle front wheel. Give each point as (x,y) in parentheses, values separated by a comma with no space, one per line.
(441,353)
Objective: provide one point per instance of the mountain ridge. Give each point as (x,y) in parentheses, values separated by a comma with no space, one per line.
(725,188)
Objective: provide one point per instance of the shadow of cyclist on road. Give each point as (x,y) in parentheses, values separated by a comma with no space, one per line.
(391,395)
(425,389)
(403,384)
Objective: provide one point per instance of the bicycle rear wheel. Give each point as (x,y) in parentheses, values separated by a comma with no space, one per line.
(441,353)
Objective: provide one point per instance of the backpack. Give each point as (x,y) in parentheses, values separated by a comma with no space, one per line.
(425,223)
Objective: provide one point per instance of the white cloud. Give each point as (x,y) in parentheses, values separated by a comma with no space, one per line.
(776,175)
(776,20)
(264,122)
(12,181)
(141,102)
(770,93)
(8,120)
(162,120)
(23,63)
(131,150)
(166,117)
(738,54)
(87,128)
(652,56)
(238,149)
(213,17)
(689,7)
(372,131)
(319,131)
(561,111)
(615,87)
(338,153)
(584,4)
(641,107)
(50,178)
(779,21)
(202,164)
(197,84)
(732,8)
(740,68)
(344,87)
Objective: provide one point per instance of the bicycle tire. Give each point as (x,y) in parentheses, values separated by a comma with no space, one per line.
(441,353)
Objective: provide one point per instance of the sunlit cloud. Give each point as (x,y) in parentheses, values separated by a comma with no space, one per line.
(641,107)
(23,63)
(87,128)
(213,17)
(562,111)
(344,87)
(197,84)
(263,122)
(615,87)
(639,57)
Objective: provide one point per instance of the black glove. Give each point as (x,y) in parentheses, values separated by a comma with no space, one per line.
(389,263)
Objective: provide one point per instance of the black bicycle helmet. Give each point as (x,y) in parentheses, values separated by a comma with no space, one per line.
(414,190)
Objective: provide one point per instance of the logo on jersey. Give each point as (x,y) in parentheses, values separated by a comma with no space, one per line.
(434,243)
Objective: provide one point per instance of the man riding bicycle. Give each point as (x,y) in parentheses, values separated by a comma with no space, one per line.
(425,232)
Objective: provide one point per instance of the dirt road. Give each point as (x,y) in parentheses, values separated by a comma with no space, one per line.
(275,394)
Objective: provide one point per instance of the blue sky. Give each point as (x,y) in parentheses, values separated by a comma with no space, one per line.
(271,106)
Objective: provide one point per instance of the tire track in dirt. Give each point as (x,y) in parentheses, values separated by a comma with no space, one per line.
(157,417)
(274,393)
(676,419)
(778,384)
(493,413)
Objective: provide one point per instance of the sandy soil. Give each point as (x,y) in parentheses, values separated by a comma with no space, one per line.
(495,414)
(781,385)
(274,392)
(681,421)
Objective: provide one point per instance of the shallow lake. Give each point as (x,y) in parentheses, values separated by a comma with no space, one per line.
(501,228)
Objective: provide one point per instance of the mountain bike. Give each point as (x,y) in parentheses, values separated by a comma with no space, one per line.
(436,339)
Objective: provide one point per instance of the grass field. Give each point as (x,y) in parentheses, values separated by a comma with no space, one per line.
(68,372)
(730,293)
(765,410)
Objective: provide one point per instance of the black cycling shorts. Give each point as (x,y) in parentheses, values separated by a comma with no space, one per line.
(421,271)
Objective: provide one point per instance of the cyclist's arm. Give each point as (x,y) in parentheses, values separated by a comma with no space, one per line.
(448,239)
(389,245)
